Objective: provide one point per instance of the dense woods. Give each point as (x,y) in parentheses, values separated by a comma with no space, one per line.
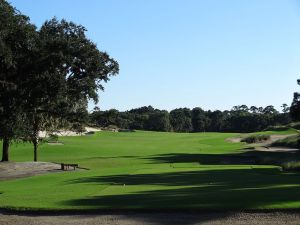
(238,119)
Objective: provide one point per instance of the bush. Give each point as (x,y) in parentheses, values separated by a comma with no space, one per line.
(256,138)
(295,125)
(291,166)
(291,142)
(126,130)
(277,128)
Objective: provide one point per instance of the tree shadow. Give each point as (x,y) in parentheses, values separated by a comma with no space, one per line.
(223,188)
(228,189)
(244,157)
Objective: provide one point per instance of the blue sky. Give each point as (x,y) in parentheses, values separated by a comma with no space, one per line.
(188,53)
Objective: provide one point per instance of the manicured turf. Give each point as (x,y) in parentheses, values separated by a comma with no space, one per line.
(151,170)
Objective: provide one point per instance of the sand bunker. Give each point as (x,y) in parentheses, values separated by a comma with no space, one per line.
(273,138)
(69,133)
(265,145)
(234,139)
(276,149)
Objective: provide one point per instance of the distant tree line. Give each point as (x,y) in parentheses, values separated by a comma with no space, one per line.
(238,119)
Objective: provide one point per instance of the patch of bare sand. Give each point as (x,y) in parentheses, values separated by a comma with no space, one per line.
(276,149)
(265,145)
(44,134)
(13,170)
(273,137)
(276,137)
(217,218)
(234,139)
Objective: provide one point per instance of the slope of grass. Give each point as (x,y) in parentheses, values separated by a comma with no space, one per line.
(149,170)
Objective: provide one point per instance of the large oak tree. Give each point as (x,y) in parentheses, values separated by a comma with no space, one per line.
(17,36)
(68,71)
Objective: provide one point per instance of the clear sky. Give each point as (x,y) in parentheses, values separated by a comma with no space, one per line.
(187,53)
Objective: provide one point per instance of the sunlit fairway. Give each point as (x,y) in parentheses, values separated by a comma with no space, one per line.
(150,170)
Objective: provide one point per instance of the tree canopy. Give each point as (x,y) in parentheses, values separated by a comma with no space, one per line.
(47,76)
(17,36)
(238,119)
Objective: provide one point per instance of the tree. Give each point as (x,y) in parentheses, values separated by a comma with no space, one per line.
(253,109)
(285,108)
(199,120)
(159,121)
(295,107)
(69,70)
(270,110)
(181,120)
(17,35)
(216,121)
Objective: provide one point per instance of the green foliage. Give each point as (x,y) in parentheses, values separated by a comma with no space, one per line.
(295,107)
(291,166)
(17,36)
(295,125)
(181,120)
(199,120)
(277,128)
(158,121)
(256,138)
(47,76)
(239,119)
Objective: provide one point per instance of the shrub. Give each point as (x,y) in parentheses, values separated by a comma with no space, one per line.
(295,125)
(277,128)
(256,138)
(291,142)
(126,130)
(291,166)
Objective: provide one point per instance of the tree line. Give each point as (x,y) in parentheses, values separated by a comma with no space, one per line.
(47,76)
(238,119)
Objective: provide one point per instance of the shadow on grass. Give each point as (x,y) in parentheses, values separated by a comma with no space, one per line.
(245,157)
(209,189)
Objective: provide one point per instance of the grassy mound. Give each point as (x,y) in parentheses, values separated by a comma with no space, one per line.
(256,138)
(291,126)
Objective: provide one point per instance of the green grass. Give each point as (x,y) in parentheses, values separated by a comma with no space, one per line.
(151,170)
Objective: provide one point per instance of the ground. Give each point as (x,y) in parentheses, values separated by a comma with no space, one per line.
(217,218)
(155,170)
(13,170)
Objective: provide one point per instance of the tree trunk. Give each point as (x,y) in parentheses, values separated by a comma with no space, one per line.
(5,150)
(35,138)
(35,146)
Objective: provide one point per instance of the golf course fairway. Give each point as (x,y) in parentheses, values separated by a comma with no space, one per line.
(151,170)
